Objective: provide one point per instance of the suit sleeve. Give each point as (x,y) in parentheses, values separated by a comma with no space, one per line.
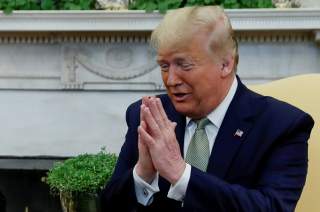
(277,188)
(2,202)
(119,194)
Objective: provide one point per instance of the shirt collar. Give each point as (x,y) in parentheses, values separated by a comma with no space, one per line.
(216,116)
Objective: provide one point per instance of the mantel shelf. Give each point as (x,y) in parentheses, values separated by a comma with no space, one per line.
(135,21)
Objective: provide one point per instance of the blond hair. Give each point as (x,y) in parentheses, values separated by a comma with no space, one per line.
(178,27)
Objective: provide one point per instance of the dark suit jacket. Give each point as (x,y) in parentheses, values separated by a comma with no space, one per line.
(262,170)
(2,203)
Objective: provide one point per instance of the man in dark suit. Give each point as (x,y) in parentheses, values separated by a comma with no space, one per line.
(210,144)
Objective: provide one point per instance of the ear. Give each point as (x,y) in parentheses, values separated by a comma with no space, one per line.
(227,65)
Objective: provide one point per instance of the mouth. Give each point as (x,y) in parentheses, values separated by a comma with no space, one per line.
(179,97)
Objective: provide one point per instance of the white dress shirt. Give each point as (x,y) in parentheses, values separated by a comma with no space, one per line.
(145,191)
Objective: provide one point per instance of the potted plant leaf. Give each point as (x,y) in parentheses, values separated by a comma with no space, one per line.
(78,180)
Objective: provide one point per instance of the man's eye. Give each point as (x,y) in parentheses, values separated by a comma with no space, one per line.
(186,66)
(164,67)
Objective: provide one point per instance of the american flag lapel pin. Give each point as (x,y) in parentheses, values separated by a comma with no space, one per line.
(238,133)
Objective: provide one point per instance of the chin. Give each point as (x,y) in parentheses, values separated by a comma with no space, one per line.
(188,110)
(184,109)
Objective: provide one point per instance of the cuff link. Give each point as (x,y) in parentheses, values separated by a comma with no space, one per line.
(145,192)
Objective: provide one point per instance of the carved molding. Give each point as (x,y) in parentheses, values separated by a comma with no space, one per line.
(83,37)
(69,77)
(275,36)
(106,38)
(275,19)
(109,26)
(118,66)
(114,71)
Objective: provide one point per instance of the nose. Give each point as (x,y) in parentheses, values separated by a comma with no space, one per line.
(173,79)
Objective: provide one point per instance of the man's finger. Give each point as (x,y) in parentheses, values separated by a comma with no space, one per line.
(143,125)
(145,100)
(145,138)
(144,103)
(162,112)
(155,112)
(153,127)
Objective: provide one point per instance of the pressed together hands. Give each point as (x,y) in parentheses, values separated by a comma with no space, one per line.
(159,150)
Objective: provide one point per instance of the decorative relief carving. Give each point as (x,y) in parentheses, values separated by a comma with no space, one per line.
(119,58)
(118,63)
(69,77)
(70,66)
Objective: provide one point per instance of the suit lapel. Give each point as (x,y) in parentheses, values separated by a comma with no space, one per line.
(240,116)
(233,130)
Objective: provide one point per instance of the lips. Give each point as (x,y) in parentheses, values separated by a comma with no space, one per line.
(179,97)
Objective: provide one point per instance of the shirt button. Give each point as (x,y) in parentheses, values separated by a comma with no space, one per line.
(145,192)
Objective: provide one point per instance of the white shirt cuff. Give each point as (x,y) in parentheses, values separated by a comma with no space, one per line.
(145,191)
(178,191)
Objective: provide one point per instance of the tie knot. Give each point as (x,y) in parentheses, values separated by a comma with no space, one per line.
(201,123)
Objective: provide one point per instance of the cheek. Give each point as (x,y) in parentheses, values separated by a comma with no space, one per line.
(203,88)
(198,93)
(164,77)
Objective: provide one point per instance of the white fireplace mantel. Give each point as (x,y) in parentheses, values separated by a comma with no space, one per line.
(67,77)
(242,19)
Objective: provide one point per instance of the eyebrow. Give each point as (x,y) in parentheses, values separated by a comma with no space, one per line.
(179,58)
(160,61)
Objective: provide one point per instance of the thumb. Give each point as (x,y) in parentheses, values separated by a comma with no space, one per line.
(173,125)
